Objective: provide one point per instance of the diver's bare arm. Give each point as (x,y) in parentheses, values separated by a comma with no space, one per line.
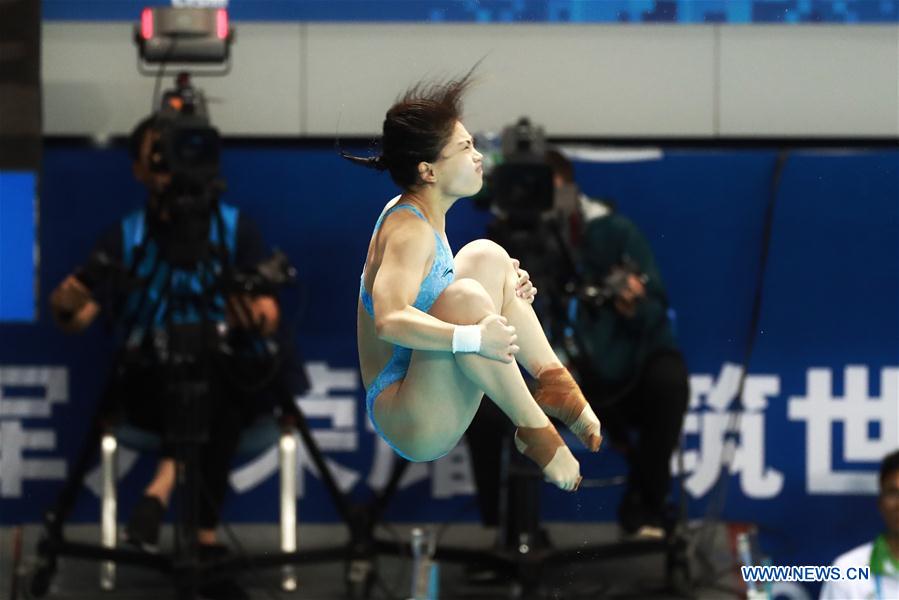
(412,328)
(408,249)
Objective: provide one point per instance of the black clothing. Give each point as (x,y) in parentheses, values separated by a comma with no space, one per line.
(645,425)
(144,398)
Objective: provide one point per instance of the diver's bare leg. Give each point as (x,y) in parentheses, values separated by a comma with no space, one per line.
(557,393)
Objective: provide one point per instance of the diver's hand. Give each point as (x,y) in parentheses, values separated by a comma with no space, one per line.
(524,289)
(498,339)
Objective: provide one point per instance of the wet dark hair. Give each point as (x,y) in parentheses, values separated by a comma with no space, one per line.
(136,139)
(889,466)
(416,128)
(560,165)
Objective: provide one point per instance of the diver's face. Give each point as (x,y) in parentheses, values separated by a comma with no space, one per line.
(458,169)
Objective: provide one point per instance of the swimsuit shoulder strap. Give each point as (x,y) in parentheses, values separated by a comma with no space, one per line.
(398,207)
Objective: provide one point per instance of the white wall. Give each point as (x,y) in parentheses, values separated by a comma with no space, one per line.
(313,79)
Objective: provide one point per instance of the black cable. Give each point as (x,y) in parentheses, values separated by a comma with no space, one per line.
(160,72)
(720,487)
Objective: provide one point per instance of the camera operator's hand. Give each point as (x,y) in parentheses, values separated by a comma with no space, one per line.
(254,313)
(525,288)
(72,305)
(628,298)
(498,339)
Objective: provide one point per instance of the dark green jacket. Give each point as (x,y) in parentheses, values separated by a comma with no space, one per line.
(617,344)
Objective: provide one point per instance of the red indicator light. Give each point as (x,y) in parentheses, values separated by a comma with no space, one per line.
(146,23)
(221,23)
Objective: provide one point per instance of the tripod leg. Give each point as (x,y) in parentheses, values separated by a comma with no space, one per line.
(56,516)
(72,486)
(44,570)
(108,509)
(677,567)
(288,463)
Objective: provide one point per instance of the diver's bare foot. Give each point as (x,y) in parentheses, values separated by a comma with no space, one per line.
(545,447)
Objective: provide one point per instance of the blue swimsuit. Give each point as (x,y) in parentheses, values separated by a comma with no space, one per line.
(437,280)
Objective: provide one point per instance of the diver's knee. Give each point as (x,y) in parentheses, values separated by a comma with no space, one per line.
(465,301)
(427,447)
(416,456)
(482,251)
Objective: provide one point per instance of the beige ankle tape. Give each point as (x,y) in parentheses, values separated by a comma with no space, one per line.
(538,443)
(559,395)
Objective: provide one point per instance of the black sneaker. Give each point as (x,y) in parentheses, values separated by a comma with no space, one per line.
(142,529)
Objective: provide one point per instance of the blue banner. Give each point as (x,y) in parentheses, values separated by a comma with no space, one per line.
(508,11)
(821,402)
(18,193)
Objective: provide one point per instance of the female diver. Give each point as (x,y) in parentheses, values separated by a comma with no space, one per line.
(437,332)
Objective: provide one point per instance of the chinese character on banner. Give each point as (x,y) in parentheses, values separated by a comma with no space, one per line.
(709,418)
(28,394)
(856,410)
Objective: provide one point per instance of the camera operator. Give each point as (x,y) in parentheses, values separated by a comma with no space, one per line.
(638,377)
(138,244)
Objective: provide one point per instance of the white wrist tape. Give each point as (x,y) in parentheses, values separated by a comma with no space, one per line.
(467,338)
